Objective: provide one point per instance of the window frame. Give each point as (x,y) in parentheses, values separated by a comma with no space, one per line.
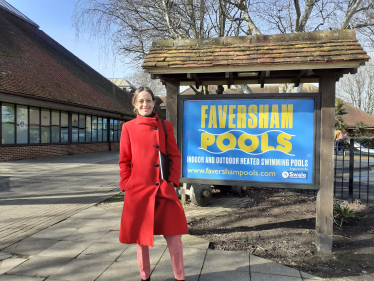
(105,133)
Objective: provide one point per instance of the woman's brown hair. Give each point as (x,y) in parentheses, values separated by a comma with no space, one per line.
(138,90)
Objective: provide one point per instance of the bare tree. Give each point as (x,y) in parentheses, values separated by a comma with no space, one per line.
(358,89)
(129,26)
(141,78)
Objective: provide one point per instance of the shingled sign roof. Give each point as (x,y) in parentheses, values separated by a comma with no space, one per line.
(313,50)
(33,64)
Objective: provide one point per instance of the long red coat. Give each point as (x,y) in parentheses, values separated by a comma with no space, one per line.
(151,205)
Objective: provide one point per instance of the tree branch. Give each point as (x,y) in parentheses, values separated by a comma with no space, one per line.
(350,13)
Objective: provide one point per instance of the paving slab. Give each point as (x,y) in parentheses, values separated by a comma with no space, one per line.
(74,238)
(212,274)
(66,249)
(260,265)
(19,278)
(8,264)
(56,232)
(194,242)
(120,271)
(4,255)
(194,258)
(269,277)
(39,267)
(129,255)
(226,261)
(30,246)
(78,270)
(156,252)
(86,234)
(162,273)
(159,240)
(306,275)
(111,237)
(105,223)
(103,251)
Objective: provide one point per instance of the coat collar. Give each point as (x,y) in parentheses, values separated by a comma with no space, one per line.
(151,121)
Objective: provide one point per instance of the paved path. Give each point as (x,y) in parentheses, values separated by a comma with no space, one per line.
(52,229)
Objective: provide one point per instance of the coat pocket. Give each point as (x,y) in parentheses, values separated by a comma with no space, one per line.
(129,185)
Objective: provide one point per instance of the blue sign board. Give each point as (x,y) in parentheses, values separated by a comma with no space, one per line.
(262,140)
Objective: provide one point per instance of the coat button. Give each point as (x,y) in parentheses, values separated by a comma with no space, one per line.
(157,184)
(157,146)
(154,128)
(157,165)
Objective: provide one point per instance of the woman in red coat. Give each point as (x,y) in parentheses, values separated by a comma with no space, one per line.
(151,204)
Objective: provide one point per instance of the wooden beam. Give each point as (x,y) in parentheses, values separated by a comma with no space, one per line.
(270,67)
(298,78)
(262,78)
(172,91)
(230,77)
(195,77)
(188,83)
(325,196)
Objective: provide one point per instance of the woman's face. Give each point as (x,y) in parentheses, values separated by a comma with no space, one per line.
(144,103)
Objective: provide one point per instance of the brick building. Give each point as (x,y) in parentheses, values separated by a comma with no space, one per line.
(51,102)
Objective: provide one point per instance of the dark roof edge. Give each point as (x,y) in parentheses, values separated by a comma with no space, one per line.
(349,34)
(19,15)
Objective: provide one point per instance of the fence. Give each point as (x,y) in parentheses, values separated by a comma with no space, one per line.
(353,176)
(353,172)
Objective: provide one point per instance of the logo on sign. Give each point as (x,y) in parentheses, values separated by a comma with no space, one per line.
(22,124)
(295,175)
(285,174)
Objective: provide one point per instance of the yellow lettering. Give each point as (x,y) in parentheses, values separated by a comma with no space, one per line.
(265,143)
(241,117)
(252,121)
(207,140)
(263,116)
(231,116)
(222,115)
(212,117)
(224,136)
(248,148)
(274,117)
(287,116)
(283,140)
(203,115)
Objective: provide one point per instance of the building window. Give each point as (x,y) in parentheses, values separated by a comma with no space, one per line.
(88,128)
(120,130)
(116,125)
(55,126)
(82,128)
(46,125)
(105,129)
(34,125)
(65,127)
(22,124)
(100,129)
(94,128)
(75,127)
(7,122)
(111,130)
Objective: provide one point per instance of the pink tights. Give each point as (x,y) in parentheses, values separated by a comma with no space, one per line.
(176,253)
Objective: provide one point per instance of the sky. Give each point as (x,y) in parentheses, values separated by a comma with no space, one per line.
(54,18)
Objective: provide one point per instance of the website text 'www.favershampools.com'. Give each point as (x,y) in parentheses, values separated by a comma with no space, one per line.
(232,172)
